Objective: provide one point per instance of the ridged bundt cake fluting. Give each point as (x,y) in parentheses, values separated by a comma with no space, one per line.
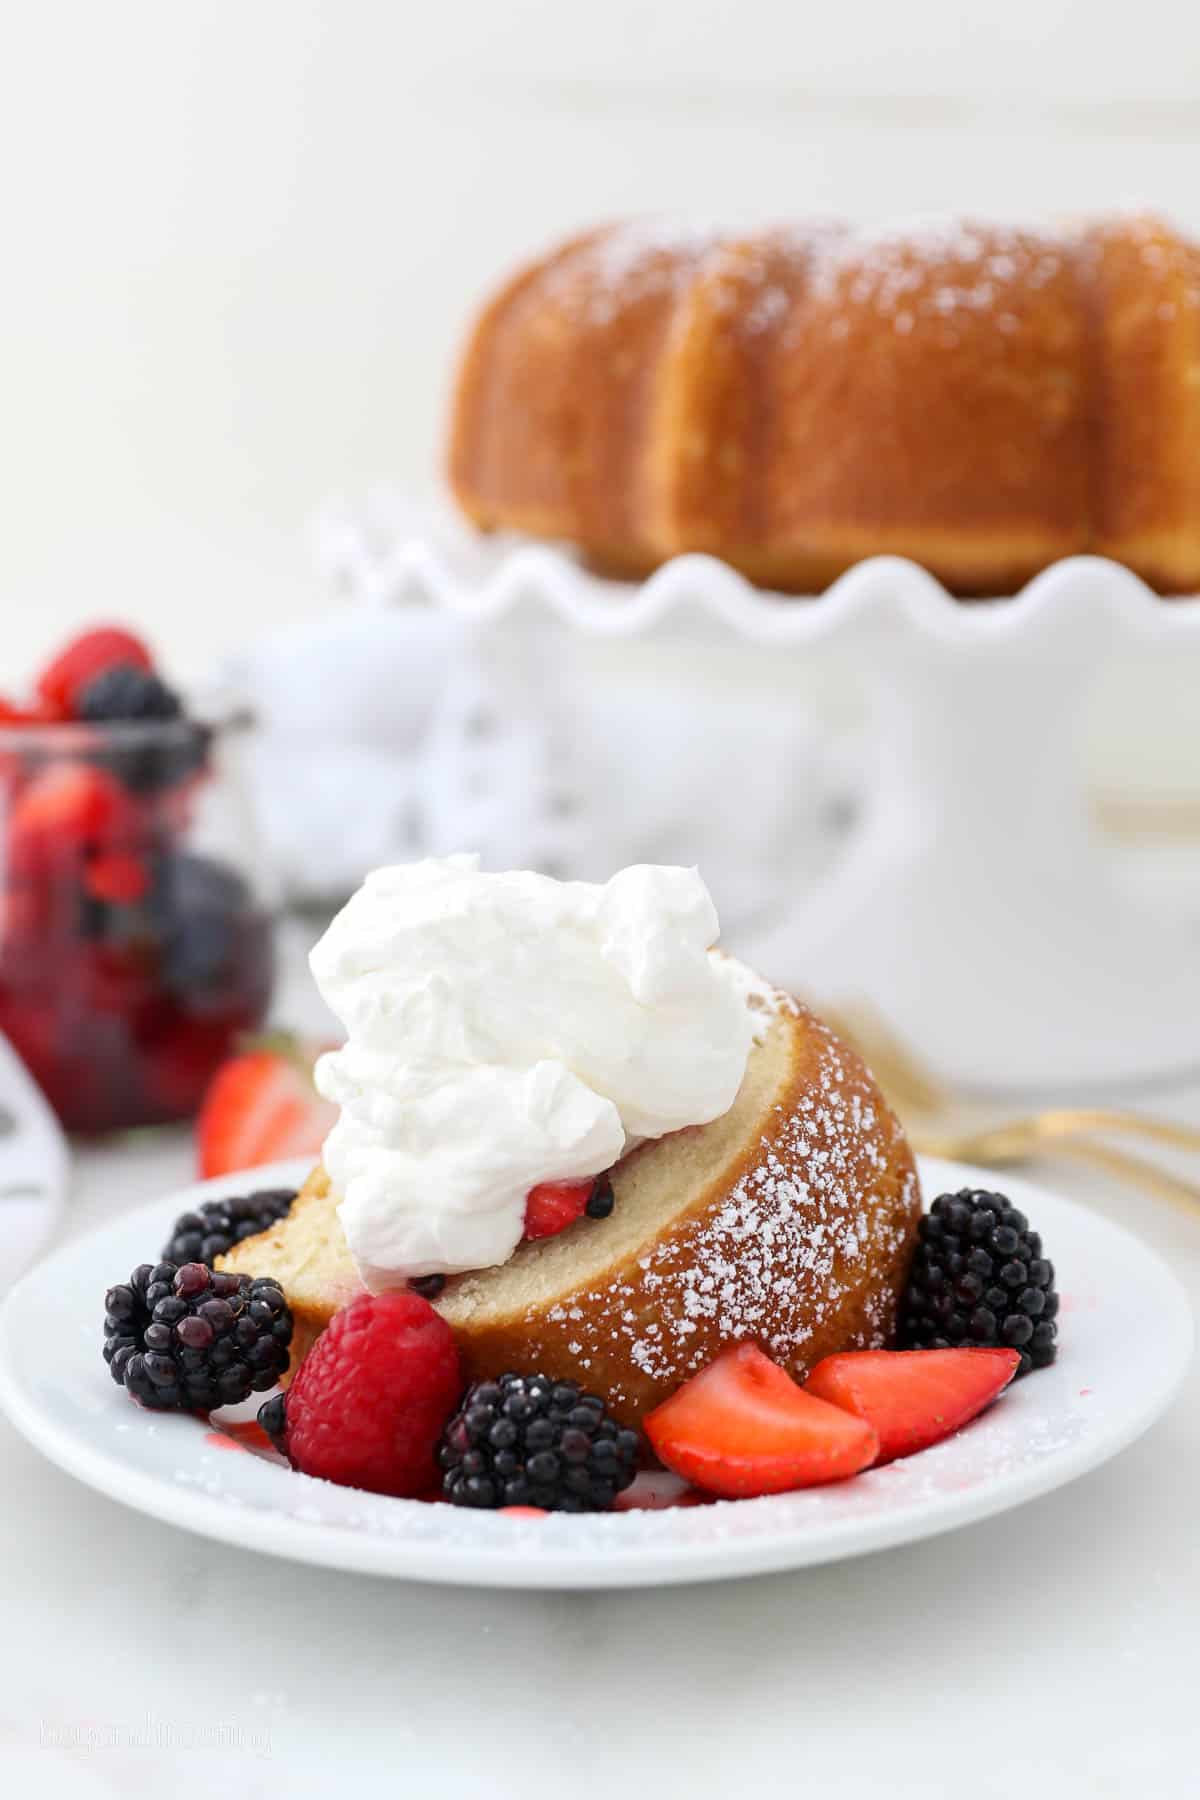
(982,399)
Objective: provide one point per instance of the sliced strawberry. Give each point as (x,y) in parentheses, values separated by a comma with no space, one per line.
(259,1108)
(26,909)
(742,1427)
(657,1490)
(70,804)
(85,657)
(116,876)
(34,712)
(913,1398)
(553,1205)
(13,714)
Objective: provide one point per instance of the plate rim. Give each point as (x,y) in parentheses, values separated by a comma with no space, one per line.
(46,1145)
(327,1544)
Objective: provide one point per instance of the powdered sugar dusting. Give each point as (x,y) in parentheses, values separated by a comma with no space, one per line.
(617,269)
(917,273)
(934,270)
(1004,1449)
(764,1000)
(797,1242)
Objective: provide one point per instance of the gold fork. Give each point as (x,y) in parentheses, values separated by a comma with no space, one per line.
(1022,1140)
(910,1087)
(924,1103)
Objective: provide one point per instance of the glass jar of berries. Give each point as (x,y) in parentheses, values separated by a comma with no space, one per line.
(135,943)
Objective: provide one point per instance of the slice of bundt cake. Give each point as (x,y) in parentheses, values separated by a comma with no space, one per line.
(790,1220)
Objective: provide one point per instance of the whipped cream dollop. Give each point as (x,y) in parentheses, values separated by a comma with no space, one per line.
(508,1029)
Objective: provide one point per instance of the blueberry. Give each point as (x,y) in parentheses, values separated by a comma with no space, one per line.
(602,1199)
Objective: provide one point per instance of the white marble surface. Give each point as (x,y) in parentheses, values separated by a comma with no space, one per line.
(1052,1648)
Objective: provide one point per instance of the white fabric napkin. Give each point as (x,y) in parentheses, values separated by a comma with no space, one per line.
(404,723)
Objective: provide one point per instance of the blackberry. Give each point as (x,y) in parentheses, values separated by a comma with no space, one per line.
(126,692)
(979,1277)
(200,905)
(428,1286)
(215,1227)
(526,1440)
(145,761)
(183,1339)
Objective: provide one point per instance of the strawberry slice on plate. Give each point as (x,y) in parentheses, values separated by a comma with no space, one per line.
(742,1427)
(913,1398)
(553,1205)
(262,1107)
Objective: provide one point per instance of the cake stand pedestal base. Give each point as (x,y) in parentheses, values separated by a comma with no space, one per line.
(977,908)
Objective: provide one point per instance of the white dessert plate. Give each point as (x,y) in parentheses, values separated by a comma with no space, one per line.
(34,1168)
(1126,1338)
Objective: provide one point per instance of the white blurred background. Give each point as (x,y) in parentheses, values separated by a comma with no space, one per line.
(241,242)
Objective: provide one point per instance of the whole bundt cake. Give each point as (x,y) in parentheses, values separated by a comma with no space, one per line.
(980,398)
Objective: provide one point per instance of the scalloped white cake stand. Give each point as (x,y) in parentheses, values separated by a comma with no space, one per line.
(976,907)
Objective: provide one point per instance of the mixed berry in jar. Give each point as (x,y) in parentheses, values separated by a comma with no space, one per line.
(135,947)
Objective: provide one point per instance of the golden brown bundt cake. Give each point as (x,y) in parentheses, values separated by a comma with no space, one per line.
(790,1220)
(982,399)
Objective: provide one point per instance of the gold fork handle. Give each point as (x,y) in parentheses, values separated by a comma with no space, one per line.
(1133,1169)
(1070,1119)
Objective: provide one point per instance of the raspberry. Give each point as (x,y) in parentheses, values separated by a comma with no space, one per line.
(369,1401)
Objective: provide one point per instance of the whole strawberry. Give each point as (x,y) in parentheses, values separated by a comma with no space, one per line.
(370,1400)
